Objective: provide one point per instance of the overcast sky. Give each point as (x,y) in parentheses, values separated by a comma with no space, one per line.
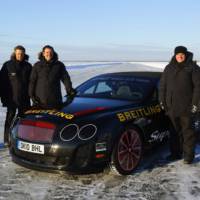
(100,29)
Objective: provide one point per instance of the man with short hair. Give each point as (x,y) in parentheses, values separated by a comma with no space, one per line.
(14,78)
(45,88)
(179,97)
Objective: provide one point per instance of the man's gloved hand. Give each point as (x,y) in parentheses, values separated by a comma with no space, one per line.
(194,109)
(35,100)
(70,96)
(4,102)
(71,92)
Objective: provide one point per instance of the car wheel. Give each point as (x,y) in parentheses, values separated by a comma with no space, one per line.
(127,152)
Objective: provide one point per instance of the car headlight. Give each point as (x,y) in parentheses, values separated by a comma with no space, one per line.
(87,131)
(69,132)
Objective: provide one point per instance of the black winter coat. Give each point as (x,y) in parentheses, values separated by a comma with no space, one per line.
(14,81)
(45,82)
(180,86)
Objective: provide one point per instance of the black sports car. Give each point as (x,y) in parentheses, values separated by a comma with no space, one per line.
(111,121)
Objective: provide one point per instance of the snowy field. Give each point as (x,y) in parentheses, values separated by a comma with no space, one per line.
(155,179)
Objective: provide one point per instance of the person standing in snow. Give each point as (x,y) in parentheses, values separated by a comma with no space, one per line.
(14,77)
(44,87)
(179,96)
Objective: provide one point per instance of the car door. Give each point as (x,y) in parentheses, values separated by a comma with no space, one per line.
(157,126)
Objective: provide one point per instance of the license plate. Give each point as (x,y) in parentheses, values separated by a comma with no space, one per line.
(30,147)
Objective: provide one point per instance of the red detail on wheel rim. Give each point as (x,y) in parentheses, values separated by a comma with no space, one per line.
(129,150)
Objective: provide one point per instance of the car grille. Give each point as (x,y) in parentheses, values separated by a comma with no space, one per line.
(41,160)
(36,131)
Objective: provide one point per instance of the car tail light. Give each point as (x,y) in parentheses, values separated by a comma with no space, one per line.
(87,132)
(36,131)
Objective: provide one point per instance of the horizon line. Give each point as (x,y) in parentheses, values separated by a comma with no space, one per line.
(119,60)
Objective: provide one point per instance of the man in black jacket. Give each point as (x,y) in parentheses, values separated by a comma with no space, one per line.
(14,76)
(44,87)
(179,97)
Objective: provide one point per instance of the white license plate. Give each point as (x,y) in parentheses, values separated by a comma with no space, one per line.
(30,147)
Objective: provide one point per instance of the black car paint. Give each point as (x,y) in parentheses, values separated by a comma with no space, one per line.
(109,127)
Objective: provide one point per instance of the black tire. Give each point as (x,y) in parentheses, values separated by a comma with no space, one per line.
(127,151)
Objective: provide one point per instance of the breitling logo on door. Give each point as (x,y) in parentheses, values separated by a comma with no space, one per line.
(137,113)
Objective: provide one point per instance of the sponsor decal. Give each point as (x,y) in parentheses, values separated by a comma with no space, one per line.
(51,112)
(101,147)
(159,136)
(138,113)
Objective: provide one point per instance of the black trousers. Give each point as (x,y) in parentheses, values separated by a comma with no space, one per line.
(182,137)
(11,111)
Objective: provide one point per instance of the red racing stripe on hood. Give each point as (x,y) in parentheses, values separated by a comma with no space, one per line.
(89,111)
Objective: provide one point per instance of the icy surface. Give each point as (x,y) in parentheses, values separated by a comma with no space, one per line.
(155,179)
(81,74)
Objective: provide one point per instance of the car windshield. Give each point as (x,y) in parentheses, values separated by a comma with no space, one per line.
(132,88)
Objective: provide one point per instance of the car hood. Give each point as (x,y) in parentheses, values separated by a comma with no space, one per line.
(82,105)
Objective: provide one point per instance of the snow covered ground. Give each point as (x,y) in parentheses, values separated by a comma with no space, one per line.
(156,179)
(79,73)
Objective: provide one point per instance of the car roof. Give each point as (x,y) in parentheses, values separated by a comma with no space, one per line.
(129,74)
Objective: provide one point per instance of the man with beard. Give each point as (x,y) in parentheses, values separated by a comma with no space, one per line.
(44,87)
(14,76)
(179,97)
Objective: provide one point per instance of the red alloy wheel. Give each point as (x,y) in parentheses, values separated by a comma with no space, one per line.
(128,151)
